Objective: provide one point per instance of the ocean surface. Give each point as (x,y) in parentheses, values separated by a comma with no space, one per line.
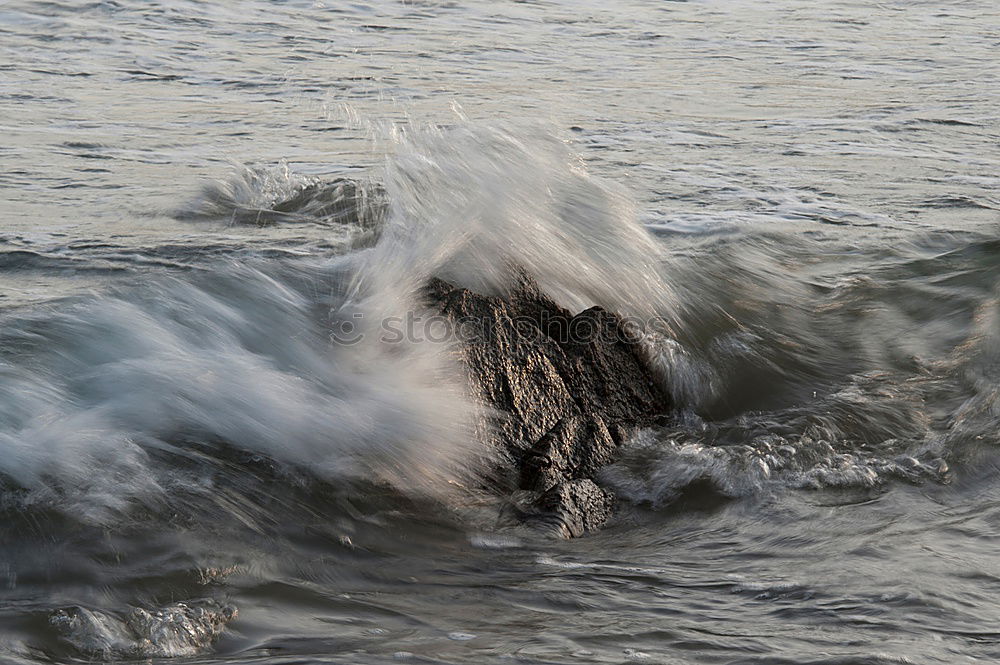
(209,210)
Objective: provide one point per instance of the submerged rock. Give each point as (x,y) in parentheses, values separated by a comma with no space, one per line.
(256,198)
(179,629)
(565,391)
(568,509)
(342,201)
(576,506)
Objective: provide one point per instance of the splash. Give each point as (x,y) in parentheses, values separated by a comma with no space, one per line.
(471,203)
(171,631)
(120,400)
(117,400)
(261,196)
(103,398)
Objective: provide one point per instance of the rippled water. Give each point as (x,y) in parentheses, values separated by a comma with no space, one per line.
(197,197)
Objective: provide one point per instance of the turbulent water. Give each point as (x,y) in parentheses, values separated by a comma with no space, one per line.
(229,432)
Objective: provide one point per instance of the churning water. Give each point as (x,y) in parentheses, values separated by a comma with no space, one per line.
(210,452)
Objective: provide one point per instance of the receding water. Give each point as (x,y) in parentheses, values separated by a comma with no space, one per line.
(202,202)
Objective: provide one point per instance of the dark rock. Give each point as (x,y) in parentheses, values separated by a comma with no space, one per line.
(338,202)
(565,391)
(575,448)
(576,506)
(342,201)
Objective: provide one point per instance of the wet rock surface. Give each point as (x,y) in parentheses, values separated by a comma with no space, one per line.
(576,506)
(565,391)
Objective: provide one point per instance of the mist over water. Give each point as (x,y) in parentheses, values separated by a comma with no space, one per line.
(209,449)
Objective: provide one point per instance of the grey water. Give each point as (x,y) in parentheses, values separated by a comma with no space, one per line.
(198,197)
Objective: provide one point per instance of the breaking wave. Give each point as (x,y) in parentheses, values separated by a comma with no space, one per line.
(119,400)
(253,389)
